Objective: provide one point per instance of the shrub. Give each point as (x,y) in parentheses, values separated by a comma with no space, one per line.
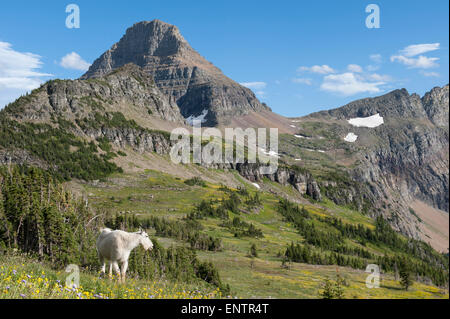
(195,181)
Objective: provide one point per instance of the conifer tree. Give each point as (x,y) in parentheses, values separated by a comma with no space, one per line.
(405,274)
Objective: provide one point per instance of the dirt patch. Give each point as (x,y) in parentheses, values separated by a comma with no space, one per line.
(434,226)
(265,119)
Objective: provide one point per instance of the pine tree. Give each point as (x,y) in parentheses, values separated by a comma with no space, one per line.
(405,274)
(253,251)
(333,289)
(339,287)
(328,290)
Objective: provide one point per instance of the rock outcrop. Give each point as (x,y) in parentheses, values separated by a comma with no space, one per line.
(303,181)
(127,89)
(190,81)
(408,156)
(139,140)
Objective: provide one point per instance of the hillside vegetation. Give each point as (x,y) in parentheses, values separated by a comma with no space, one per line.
(80,155)
(242,241)
(22,277)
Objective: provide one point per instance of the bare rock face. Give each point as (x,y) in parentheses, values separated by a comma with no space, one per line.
(21,157)
(111,107)
(127,89)
(303,182)
(191,82)
(398,103)
(408,158)
(435,104)
(412,150)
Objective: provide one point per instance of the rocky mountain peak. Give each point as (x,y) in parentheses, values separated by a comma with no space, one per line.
(155,38)
(191,82)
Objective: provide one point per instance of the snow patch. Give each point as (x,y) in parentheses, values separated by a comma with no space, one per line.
(293,126)
(256,185)
(302,136)
(191,119)
(351,138)
(311,150)
(371,121)
(270,153)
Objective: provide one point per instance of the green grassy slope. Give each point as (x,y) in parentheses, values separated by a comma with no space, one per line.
(152,193)
(22,277)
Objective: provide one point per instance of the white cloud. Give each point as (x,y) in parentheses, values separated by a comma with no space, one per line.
(320,69)
(302,81)
(354,68)
(378,77)
(75,62)
(421,62)
(372,68)
(430,74)
(18,65)
(18,73)
(376,58)
(27,84)
(254,85)
(416,49)
(349,84)
(407,56)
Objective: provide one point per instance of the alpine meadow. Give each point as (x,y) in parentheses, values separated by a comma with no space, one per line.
(354,206)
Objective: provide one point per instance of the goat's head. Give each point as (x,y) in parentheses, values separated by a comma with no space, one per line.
(145,241)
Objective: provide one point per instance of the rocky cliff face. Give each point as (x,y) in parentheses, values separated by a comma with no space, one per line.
(21,157)
(128,89)
(116,106)
(285,175)
(435,104)
(191,82)
(407,157)
(302,181)
(139,140)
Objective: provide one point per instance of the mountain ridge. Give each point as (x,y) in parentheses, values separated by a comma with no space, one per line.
(191,82)
(382,172)
(397,103)
(403,159)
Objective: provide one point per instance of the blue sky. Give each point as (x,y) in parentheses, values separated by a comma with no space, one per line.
(298,56)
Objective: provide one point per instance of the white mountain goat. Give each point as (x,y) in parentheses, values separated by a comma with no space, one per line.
(115,247)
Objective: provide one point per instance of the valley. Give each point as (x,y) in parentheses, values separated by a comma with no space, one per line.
(363,184)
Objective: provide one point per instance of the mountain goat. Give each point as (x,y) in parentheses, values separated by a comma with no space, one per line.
(115,247)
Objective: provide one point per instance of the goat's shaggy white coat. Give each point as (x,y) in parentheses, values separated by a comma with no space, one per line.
(115,247)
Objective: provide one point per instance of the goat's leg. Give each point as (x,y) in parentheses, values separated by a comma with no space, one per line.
(124,270)
(110,269)
(102,261)
(116,268)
